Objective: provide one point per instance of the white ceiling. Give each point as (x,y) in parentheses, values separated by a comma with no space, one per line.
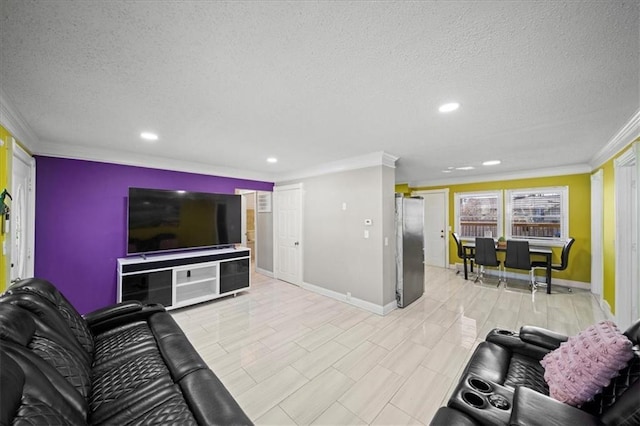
(227,84)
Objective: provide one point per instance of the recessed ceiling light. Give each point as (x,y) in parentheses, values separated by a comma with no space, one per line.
(148,136)
(465,168)
(491,163)
(446,171)
(450,168)
(272,160)
(452,106)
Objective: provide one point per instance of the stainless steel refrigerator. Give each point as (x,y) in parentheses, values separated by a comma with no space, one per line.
(409,249)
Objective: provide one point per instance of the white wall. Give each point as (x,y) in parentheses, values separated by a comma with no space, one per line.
(337,257)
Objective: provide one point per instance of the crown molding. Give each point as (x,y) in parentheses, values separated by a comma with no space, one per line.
(13,121)
(373,159)
(627,134)
(523,174)
(102,155)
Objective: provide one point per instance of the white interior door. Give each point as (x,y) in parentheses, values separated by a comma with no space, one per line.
(288,231)
(435,227)
(627,197)
(22,217)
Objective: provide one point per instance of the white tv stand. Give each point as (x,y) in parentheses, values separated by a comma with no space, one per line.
(181,279)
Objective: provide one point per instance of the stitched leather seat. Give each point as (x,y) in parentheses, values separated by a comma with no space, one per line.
(123,365)
(523,372)
(510,364)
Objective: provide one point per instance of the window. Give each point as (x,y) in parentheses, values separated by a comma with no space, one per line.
(478,214)
(538,214)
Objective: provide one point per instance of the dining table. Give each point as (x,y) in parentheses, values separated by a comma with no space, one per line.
(538,251)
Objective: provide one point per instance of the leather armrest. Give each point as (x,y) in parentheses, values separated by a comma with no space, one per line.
(542,337)
(122,313)
(514,342)
(450,416)
(112,311)
(532,408)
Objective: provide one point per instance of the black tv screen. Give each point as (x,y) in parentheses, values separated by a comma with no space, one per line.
(161,220)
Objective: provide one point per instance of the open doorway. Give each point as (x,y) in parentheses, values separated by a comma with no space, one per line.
(248,224)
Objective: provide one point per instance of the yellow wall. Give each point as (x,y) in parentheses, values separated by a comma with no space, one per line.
(579,216)
(5,156)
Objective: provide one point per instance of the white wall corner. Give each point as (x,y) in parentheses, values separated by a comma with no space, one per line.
(359,303)
(627,134)
(392,306)
(13,121)
(265,272)
(389,160)
(379,158)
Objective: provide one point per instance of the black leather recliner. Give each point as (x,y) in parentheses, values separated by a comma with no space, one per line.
(125,364)
(503,383)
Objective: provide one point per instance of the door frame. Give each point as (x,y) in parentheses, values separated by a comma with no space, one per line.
(21,154)
(447,226)
(243,220)
(597,234)
(276,238)
(627,255)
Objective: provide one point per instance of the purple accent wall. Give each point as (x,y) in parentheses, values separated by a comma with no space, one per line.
(81,214)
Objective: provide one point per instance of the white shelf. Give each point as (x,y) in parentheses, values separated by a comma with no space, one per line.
(185,278)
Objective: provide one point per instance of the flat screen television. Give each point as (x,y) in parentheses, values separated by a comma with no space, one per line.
(163,220)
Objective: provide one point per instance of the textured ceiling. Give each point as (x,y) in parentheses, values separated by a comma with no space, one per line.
(542,84)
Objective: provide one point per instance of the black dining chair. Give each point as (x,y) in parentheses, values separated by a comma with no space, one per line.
(463,254)
(564,260)
(518,257)
(564,256)
(485,255)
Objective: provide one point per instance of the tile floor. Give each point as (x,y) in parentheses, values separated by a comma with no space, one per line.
(293,357)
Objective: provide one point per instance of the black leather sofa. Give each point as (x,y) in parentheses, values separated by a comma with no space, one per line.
(503,384)
(122,365)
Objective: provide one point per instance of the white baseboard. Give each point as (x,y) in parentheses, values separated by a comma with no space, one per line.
(264,272)
(518,276)
(607,309)
(363,304)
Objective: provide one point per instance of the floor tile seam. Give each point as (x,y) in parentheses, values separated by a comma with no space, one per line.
(344,407)
(264,379)
(250,334)
(326,368)
(403,380)
(404,412)
(292,391)
(334,401)
(255,382)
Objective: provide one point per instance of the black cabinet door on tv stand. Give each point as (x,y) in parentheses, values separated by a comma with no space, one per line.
(150,287)
(234,275)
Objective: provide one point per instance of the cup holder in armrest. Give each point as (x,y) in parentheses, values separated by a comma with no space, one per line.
(473,399)
(505,332)
(480,385)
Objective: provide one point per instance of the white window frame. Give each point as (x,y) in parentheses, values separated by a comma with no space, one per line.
(564,215)
(456,209)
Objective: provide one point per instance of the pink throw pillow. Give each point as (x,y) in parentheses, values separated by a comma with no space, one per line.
(583,365)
